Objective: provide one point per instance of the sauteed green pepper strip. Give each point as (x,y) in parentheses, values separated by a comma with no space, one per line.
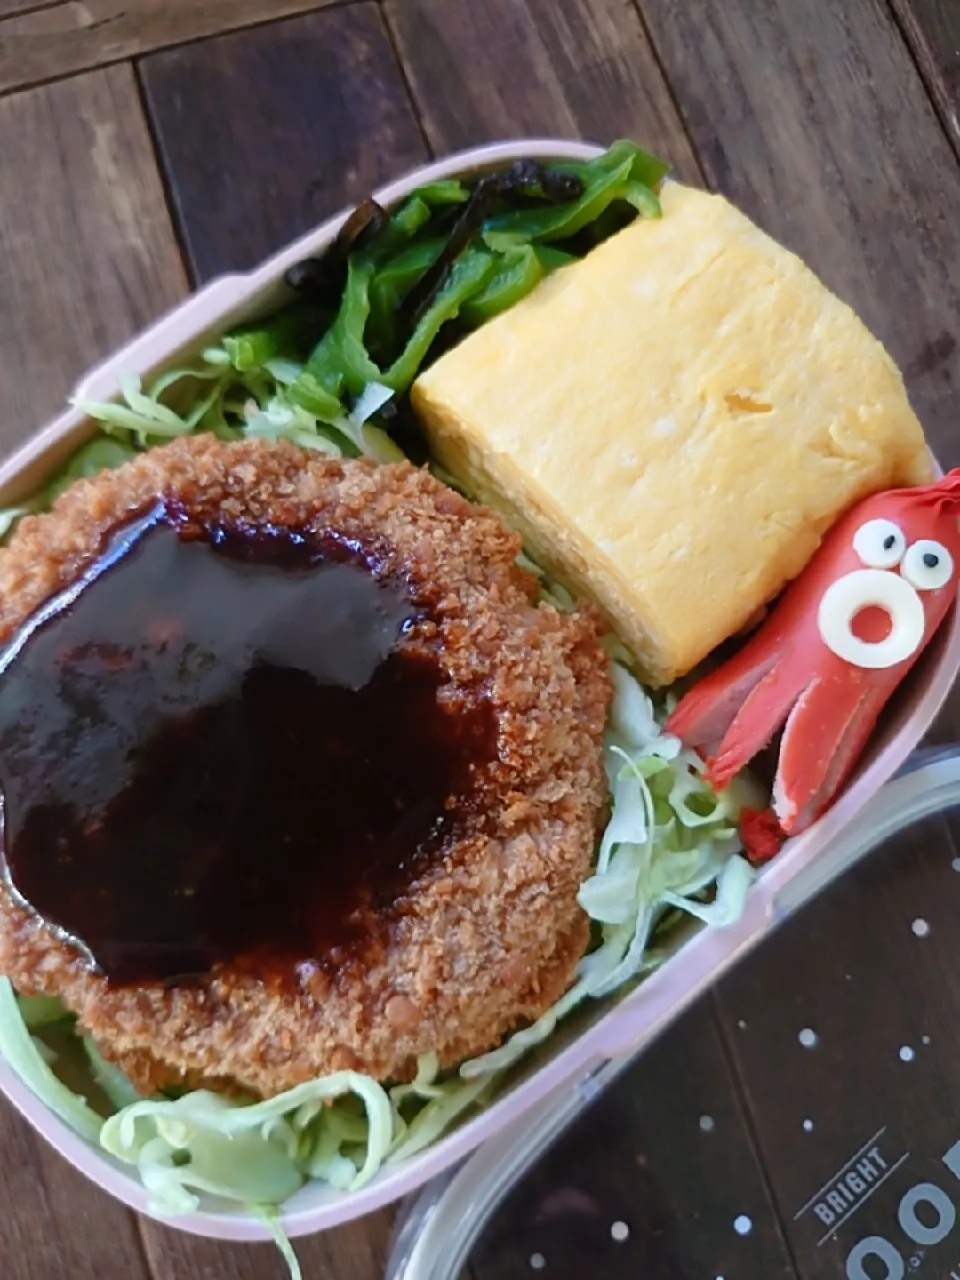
(496,269)
(468,276)
(443,191)
(520,270)
(391,285)
(340,361)
(253,346)
(600,191)
(411,217)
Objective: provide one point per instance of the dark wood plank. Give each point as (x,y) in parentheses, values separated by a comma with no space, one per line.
(813,119)
(59,40)
(87,252)
(87,255)
(932,28)
(265,133)
(357,1252)
(666,1154)
(870,969)
(508,68)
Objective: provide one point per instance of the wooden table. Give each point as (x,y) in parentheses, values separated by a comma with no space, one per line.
(146,147)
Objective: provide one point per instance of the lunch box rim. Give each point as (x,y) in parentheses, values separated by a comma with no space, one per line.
(638,1017)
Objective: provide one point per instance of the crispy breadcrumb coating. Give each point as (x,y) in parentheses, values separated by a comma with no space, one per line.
(490,934)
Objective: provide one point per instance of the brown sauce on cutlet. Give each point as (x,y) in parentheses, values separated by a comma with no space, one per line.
(216,746)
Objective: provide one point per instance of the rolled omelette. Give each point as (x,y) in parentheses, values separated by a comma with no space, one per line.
(673,422)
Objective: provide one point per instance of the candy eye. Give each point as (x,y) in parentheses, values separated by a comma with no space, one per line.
(880,544)
(927,565)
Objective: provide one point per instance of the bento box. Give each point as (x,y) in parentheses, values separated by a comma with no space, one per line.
(607,1030)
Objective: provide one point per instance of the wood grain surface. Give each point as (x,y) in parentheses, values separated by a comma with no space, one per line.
(509,68)
(87,251)
(932,29)
(58,40)
(265,133)
(356,1252)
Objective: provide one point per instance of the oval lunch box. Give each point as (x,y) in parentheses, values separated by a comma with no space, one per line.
(602,1036)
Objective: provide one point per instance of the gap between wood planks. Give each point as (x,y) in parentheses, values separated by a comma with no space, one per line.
(391,36)
(324,116)
(55,40)
(10,7)
(738,1080)
(931,32)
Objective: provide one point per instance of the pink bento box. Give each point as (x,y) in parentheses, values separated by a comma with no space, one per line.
(617,1028)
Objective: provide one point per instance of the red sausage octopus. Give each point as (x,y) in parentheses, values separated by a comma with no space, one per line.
(827,659)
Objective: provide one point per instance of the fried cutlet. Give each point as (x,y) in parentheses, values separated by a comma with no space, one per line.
(481,933)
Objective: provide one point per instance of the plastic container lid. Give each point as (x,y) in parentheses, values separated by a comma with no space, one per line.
(438,1230)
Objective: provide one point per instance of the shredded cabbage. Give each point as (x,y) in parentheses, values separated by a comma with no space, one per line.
(111,1079)
(224,392)
(251,1153)
(670,838)
(40,1011)
(20,1050)
(270,1217)
(444,1104)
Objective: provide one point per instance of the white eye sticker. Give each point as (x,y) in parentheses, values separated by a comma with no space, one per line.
(880,544)
(927,565)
